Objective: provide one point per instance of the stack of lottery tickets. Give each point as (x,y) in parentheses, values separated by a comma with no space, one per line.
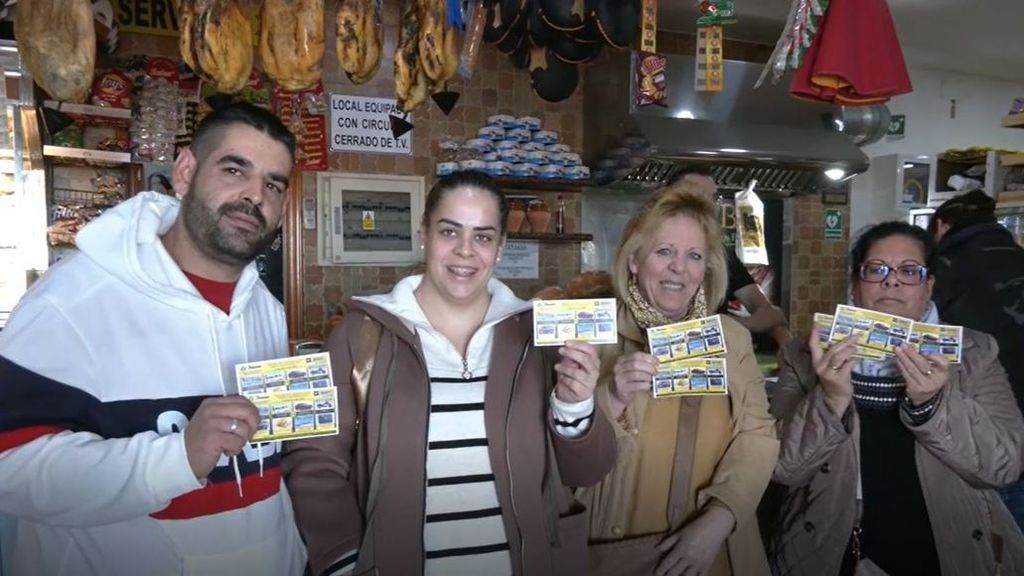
(690,358)
(878,334)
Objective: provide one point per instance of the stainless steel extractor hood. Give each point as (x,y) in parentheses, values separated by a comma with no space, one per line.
(740,134)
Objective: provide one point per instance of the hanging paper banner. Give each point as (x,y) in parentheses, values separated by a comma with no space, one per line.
(709,73)
(649,26)
(304,114)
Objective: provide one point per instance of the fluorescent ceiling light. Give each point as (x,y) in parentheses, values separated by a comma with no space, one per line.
(705,152)
(907,165)
(835,174)
(734,150)
(685,113)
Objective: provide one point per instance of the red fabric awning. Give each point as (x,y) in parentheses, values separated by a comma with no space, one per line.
(855,59)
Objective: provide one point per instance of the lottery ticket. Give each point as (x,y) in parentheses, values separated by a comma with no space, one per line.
(695,376)
(690,339)
(586,320)
(295,396)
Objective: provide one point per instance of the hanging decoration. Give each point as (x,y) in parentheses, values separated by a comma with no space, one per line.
(304,112)
(855,59)
(650,66)
(709,75)
(709,72)
(801,28)
(472,39)
(552,38)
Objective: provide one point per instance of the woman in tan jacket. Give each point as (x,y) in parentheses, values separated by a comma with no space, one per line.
(690,470)
(895,461)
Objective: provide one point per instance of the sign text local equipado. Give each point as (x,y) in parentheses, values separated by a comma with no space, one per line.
(361,124)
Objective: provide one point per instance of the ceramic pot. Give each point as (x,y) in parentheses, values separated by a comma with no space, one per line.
(539,216)
(516,215)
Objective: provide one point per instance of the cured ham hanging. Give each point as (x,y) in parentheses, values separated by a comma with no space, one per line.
(57,41)
(292,42)
(216,42)
(359,38)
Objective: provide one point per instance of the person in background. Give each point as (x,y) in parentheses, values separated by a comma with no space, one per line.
(119,418)
(979,283)
(690,470)
(764,317)
(469,435)
(895,461)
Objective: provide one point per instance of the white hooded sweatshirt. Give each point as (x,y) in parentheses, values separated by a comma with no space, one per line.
(101,365)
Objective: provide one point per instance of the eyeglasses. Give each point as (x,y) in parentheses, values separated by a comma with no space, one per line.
(876,271)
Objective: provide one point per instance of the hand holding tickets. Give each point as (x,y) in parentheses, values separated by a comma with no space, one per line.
(684,351)
(295,396)
(556,322)
(878,334)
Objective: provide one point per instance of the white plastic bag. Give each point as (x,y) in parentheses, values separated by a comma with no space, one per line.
(750,245)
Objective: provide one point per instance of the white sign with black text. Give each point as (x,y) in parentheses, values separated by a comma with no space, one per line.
(519,261)
(361,124)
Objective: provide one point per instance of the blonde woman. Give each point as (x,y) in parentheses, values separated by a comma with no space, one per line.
(690,471)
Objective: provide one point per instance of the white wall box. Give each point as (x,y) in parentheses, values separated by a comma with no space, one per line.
(895,184)
(368,219)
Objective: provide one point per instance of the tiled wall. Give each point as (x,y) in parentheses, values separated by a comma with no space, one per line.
(819,275)
(495,87)
(818,269)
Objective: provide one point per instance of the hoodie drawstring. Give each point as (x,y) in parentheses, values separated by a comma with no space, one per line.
(245,352)
(224,391)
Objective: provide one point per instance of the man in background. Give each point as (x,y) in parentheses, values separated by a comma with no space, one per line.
(979,283)
(764,317)
(124,446)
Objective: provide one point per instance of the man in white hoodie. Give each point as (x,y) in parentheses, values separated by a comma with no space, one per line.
(124,447)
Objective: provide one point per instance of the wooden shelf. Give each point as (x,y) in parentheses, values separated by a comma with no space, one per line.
(89,115)
(86,156)
(550,238)
(543,185)
(1014,120)
(1008,160)
(89,109)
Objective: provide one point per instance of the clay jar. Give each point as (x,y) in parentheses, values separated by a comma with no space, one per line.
(516,214)
(539,216)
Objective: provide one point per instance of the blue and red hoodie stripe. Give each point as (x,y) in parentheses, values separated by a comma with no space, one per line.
(33,406)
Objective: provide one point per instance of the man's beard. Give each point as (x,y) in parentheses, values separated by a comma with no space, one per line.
(225,244)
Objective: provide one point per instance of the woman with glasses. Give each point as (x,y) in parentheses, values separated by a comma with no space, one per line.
(892,464)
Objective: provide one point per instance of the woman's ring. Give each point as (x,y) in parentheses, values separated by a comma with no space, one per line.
(234,425)
(834,368)
(929,372)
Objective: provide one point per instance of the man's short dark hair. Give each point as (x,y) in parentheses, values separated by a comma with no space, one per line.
(208,134)
(974,207)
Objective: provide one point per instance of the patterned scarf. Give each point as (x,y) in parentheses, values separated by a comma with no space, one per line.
(647,316)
